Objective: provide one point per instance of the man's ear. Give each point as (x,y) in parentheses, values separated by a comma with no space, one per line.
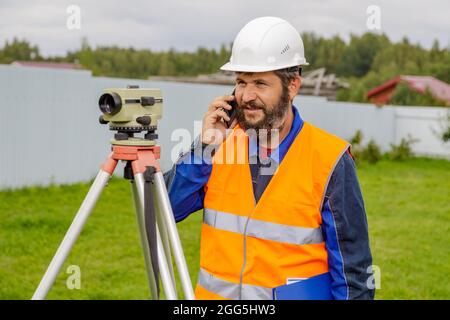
(294,86)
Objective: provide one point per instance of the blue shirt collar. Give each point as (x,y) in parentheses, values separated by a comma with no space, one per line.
(278,153)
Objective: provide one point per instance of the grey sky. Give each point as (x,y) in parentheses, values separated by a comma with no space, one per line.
(186,25)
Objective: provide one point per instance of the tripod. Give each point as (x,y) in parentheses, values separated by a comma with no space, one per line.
(156,222)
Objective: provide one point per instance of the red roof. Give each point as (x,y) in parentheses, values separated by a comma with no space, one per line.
(43,64)
(438,89)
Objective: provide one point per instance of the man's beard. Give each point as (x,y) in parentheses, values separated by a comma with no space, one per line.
(272,118)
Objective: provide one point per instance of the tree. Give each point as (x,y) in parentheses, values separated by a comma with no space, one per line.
(166,65)
(329,53)
(359,54)
(19,50)
(312,43)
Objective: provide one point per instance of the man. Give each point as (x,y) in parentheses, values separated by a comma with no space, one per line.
(281,199)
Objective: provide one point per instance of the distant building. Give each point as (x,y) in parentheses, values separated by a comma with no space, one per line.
(437,88)
(318,83)
(51,65)
(315,82)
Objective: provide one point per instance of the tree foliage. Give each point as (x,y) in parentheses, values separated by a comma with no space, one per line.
(19,50)
(366,61)
(114,61)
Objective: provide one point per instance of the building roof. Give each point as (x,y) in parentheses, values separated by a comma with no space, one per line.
(438,89)
(43,64)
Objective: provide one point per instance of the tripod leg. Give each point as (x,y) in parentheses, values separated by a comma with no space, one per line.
(72,234)
(166,278)
(144,242)
(162,198)
(164,235)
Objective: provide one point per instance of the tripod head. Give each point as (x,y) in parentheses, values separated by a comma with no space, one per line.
(131,110)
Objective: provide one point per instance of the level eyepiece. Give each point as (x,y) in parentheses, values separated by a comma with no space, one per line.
(110,103)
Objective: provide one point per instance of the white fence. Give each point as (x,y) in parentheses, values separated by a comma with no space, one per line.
(49,130)
(386,125)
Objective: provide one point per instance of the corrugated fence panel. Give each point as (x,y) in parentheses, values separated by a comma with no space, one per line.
(344,119)
(425,126)
(49,130)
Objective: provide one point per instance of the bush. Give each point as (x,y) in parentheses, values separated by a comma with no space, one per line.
(446,130)
(446,135)
(356,148)
(343,94)
(401,151)
(371,153)
(357,138)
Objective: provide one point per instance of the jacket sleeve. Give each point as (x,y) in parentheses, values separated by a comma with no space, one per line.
(345,230)
(186,179)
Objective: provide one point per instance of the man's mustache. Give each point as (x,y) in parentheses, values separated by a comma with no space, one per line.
(252,105)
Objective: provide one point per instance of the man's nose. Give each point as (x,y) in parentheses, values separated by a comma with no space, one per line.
(248,94)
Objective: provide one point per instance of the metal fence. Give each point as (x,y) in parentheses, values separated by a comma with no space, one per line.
(49,130)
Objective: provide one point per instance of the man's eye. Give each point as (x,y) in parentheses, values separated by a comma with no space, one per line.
(260,83)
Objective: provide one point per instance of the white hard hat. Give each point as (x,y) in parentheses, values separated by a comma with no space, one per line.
(266,44)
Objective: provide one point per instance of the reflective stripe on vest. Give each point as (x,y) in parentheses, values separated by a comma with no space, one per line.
(230,290)
(262,229)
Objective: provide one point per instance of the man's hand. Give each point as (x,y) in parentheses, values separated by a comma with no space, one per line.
(214,127)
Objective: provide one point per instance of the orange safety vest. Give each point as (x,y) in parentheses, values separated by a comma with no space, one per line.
(248,248)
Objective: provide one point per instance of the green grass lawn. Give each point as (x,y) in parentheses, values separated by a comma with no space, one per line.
(408,207)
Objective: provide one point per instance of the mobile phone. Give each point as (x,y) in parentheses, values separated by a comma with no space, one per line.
(232,112)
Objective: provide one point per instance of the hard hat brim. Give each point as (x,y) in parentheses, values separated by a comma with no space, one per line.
(241,68)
